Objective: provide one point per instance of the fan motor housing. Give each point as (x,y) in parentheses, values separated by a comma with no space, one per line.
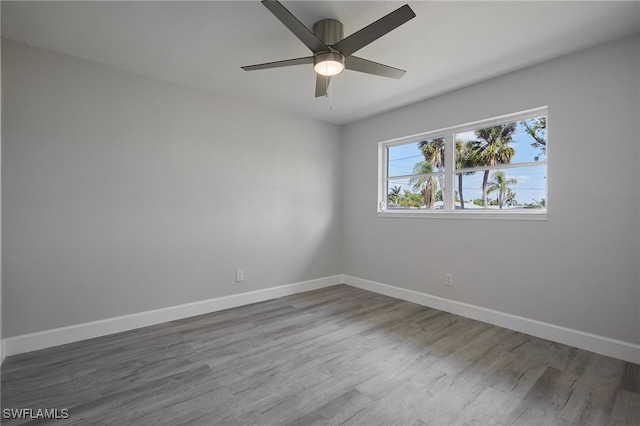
(329,31)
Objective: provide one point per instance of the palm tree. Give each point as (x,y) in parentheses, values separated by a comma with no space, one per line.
(464,158)
(433,151)
(492,149)
(500,183)
(394,194)
(426,185)
(538,131)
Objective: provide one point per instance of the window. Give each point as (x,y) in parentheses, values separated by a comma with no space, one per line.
(493,168)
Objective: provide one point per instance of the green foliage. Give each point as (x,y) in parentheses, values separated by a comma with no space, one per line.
(464,158)
(394,194)
(425,185)
(500,184)
(480,202)
(434,152)
(410,199)
(492,148)
(538,131)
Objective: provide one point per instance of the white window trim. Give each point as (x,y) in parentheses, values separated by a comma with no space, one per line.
(450,212)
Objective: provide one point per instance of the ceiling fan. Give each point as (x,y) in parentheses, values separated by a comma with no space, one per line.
(332,53)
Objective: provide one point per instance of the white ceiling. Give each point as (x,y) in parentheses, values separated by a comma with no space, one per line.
(202,44)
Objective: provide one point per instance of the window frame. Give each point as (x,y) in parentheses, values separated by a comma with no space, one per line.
(448,195)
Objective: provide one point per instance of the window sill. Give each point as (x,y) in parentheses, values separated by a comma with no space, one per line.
(483,215)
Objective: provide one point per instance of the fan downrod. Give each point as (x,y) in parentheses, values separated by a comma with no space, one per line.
(329,31)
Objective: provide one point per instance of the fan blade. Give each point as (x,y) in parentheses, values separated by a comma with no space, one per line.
(358,64)
(374,31)
(295,26)
(322,85)
(278,64)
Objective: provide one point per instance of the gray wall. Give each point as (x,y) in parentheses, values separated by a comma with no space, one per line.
(578,269)
(123,193)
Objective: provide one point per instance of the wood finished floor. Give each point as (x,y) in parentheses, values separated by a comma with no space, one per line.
(339,356)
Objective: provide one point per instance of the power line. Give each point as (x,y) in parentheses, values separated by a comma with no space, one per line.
(406,158)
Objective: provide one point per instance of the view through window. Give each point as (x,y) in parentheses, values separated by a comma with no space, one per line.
(497,165)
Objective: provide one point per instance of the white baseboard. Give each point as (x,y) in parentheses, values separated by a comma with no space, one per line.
(59,336)
(599,344)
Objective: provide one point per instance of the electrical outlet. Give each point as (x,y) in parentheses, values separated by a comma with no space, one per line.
(448,280)
(239,275)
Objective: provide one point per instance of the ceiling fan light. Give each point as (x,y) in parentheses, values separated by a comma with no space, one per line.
(328,64)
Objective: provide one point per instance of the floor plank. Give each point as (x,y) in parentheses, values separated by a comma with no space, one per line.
(334,356)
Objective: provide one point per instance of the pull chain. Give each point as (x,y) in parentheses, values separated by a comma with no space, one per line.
(327,92)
